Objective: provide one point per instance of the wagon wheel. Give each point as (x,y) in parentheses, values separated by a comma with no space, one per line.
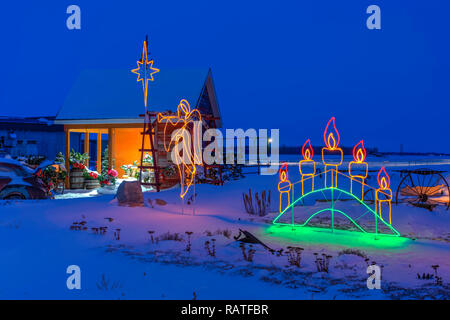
(423,188)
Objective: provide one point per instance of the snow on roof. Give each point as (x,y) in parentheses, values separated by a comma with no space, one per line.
(116,94)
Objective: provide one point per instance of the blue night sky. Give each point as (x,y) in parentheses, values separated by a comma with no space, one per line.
(287,65)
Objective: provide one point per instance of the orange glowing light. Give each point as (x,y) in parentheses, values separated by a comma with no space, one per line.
(331,134)
(307,150)
(283,176)
(284,186)
(332,138)
(283,173)
(384,193)
(307,166)
(383,179)
(359,152)
(358,169)
(145,74)
(183,121)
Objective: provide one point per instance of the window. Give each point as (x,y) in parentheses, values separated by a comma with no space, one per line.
(31,142)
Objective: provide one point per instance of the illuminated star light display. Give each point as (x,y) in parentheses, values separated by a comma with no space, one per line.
(145,70)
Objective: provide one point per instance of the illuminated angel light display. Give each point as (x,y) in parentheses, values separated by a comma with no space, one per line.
(307,166)
(331,138)
(145,70)
(384,193)
(185,138)
(284,186)
(358,169)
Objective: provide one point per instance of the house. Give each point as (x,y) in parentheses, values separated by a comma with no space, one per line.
(105,105)
(31,136)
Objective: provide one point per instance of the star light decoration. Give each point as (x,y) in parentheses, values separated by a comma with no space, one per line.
(145,70)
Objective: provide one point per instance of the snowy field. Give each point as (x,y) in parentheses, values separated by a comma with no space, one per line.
(37,244)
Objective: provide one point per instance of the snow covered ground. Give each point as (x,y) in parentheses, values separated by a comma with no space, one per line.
(37,244)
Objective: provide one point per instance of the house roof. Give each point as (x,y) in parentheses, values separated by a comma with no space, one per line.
(114,95)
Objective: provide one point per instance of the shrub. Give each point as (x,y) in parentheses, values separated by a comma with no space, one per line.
(294,255)
(171,236)
(77,159)
(262,205)
(247,254)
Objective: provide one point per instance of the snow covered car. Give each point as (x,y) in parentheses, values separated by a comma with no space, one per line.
(19,182)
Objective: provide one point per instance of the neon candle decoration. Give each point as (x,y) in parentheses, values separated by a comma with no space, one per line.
(358,169)
(307,166)
(331,151)
(284,186)
(384,193)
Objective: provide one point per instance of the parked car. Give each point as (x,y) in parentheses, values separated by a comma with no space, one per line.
(19,182)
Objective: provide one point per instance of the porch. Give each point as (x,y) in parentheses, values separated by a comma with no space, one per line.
(123,142)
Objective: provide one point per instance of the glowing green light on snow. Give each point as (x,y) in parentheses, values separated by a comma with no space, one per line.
(333,211)
(337,238)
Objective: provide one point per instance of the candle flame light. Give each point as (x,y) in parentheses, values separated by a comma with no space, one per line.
(331,134)
(383,179)
(359,152)
(307,150)
(283,173)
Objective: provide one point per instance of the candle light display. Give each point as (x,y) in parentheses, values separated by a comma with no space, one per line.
(336,197)
(284,186)
(383,194)
(330,151)
(358,169)
(307,166)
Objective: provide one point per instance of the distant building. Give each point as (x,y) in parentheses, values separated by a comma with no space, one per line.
(31,136)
